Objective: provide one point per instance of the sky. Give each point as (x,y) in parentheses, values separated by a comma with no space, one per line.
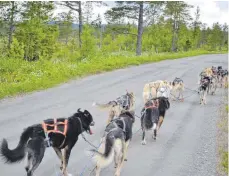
(210,11)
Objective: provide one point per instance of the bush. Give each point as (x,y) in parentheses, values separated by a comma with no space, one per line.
(88,42)
(39,40)
(16,50)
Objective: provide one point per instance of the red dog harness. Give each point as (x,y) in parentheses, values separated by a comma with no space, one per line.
(155,104)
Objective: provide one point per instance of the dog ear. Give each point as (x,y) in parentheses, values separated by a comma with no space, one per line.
(86,112)
(79,110)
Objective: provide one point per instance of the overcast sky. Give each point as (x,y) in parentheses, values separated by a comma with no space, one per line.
(210,11)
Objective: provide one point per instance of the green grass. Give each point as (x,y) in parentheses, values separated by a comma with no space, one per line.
(224,160)
(19,76)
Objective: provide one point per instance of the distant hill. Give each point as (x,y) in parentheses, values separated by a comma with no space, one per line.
(74,25)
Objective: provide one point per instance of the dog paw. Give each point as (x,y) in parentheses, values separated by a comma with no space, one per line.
(27,168)
(143,142)
(154,138)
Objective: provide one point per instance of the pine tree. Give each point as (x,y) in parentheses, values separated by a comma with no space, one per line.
(97,24)
(130,10)
(77,6)
(65,21)
(196,28)
(178,13)
(9,10)
(34,33)
(224,39)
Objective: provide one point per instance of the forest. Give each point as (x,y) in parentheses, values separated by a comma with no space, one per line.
(40,49)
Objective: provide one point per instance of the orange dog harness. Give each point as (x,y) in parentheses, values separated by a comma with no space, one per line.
(54,127)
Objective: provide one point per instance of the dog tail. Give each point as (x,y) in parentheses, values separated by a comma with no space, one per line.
(105,106)
(106,158)
(17,154)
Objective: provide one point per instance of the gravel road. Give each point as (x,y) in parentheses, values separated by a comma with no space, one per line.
(186,145)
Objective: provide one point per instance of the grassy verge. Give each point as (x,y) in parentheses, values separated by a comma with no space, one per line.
(224,161)
(222,138)
(18,76)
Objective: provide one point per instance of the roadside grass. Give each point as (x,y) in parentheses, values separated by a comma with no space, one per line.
(224,161)
(224,154)
(19,76)
(223,139)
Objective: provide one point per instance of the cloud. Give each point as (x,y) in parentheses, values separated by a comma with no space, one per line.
(223,5)
(211,11)
(101,11)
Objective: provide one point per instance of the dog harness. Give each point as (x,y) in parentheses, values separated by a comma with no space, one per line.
(154,105)
(117,126)
(81,126)
(54,126)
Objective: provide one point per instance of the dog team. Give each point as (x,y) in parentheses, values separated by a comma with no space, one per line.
(209,80)
(62,134)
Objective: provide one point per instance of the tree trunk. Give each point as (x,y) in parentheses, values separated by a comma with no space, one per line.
(155,48)
(140,30)
(174,39)
(80,24)
(11,25)
(101,36)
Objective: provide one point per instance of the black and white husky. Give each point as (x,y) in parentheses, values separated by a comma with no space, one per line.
(149,119)
(32,143)
(114,143)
